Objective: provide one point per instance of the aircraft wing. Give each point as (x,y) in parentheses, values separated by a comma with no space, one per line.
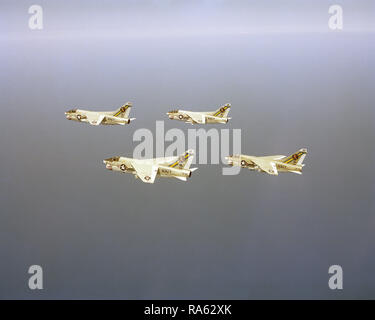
(146,172)
(197,117)
(95,120)
(266,165)
(276,157)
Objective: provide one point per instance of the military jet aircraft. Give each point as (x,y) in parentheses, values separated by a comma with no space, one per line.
(218,116)
(119,116)
(147,169)
(270,164)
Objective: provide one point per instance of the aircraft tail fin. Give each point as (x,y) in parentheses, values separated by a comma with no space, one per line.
(223,111)
(297,157)
(184,161)
(124,111)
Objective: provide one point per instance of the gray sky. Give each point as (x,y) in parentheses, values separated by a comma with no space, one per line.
(98,234)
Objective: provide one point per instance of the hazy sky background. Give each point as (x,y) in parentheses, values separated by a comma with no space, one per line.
(292,83)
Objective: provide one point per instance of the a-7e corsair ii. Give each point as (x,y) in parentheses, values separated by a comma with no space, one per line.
(147,169)
(218,116)
(270,164)
(119,116)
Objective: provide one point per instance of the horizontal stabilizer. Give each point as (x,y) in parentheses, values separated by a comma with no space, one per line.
(181,178)
(299,172)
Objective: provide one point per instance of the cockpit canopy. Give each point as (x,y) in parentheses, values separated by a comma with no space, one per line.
(72,111)
(173,111)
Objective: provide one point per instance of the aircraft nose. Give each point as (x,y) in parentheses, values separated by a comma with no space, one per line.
(109,160)
(108,164)
(229,159)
